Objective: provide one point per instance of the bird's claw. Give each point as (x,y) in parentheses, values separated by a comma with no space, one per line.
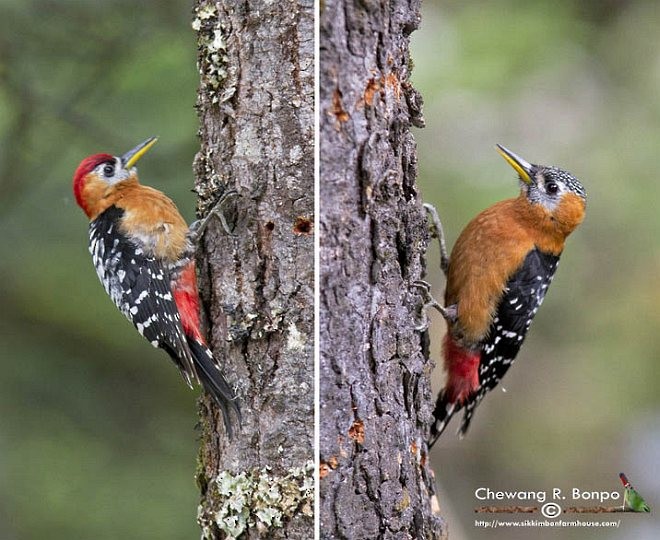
(198,227)
(449,313)
(438,232)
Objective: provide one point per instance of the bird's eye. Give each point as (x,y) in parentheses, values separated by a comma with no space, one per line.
(552,188)
(108,170)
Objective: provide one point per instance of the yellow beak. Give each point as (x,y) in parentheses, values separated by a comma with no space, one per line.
(522,167)
(130,158)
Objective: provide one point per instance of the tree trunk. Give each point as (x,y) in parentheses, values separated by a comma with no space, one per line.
(255,103)
(375,389)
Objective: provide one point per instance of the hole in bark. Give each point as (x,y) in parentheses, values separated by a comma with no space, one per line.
(303,226)
(270,225)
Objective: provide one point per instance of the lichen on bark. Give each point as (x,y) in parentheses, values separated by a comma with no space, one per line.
(255,104)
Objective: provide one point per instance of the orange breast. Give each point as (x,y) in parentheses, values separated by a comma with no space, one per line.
(485,255)
(491,249)
(150,217)
(153,218)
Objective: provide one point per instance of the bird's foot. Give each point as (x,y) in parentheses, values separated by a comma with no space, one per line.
(197,228)
(450,313)
(438,232)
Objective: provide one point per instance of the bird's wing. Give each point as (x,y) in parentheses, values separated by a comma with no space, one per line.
(523,295)
(139,285)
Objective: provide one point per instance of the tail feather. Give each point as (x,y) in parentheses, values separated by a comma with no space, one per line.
(214,383)
(467,416)
(442,414)
(445,408)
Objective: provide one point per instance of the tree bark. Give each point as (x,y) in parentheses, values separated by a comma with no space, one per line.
(255,104)
(375,389)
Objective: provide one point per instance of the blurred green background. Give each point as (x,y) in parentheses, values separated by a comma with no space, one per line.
(574,84)
(97,429)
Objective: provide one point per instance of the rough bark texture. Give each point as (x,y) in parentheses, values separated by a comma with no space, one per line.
(375,389)
(255,104)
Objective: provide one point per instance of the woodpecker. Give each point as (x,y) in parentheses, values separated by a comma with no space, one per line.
(143,250)
(497,277)
(631,499)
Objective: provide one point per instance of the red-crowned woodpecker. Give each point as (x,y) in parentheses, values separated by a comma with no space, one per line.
(497,276)
(143,253)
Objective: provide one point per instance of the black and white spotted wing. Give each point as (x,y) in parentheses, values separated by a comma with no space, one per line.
(139,285)
(523,296)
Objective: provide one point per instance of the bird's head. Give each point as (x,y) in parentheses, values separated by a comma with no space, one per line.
(98,172)
(556,199)
(547,186)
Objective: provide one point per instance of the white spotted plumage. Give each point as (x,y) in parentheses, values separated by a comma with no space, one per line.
(139,286)
(513,317)
(509,326)
(492,294)
(142,251)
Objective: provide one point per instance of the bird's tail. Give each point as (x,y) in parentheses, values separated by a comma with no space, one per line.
(461,388)
(214,383)
(444,410)
(467,415)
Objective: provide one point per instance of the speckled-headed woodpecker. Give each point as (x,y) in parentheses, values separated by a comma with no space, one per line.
(143,253)
(497,276)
